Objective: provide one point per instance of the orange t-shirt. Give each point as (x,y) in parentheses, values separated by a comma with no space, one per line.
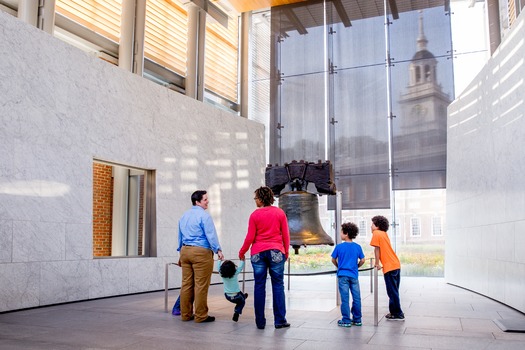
(387,256)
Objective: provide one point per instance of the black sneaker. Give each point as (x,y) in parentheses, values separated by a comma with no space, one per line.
(235,317)
(391,317)
(284,325)
(245,296)
(209,319)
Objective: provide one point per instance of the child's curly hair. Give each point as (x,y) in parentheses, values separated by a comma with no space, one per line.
(381,222)
(350,229)
(227,269)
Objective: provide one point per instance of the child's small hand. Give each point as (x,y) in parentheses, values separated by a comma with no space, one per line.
(221,256)
(241,257)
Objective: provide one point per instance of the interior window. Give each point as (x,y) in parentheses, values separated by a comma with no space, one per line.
(123,209)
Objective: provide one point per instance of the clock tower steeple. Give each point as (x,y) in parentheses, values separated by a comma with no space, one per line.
(424,104)
(420,138)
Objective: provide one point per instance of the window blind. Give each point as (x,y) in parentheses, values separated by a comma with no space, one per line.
(101,16)
(166,37)
(220,67)
(166,34)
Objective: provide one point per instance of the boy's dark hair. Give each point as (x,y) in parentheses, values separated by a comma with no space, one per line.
(197,196)
(265,194)
(227,269)
(381,222)
(350,229)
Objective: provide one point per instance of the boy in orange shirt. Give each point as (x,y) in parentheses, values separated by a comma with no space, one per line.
(391,266)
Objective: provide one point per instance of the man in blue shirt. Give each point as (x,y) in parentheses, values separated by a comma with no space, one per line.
(198,241)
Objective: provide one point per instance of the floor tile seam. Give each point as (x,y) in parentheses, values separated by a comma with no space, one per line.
(468,334)
(441,342)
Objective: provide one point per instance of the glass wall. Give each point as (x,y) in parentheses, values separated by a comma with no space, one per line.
(371,98)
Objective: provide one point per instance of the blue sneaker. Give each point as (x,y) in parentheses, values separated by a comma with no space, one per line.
(340,323)
(175,312)
(358,324)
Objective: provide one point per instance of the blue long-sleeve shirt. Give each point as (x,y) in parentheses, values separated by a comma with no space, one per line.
(196,228)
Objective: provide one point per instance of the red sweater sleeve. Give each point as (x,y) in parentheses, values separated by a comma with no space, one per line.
(286,235)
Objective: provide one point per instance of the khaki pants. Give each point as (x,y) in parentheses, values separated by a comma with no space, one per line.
(197,267)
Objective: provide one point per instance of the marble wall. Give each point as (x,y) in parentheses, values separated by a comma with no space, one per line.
(61,108)
(485,246)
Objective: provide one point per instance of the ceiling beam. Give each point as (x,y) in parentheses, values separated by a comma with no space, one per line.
(393,9)
(212,9)
(296,22)
(342,13)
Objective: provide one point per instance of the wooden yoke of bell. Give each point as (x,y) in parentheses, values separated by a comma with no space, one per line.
(302,207)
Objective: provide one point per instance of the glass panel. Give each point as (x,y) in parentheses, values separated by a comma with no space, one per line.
(421,253)
(302,118)
(298,91)
(359,109)
(422,89)
(470,40)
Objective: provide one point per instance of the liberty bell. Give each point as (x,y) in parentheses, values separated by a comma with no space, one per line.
(302,207)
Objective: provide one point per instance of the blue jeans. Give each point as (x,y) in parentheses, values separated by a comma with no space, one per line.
(349,285)
(269,261)
(238,300)
(392,282)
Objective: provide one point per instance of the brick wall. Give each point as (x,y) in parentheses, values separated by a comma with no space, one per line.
(102,209)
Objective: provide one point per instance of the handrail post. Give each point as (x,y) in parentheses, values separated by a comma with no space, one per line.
(243,276)
(166,288)
(288,273)
(376,318)
(371,275)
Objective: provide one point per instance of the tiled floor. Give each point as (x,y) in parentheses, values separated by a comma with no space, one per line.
(438,316)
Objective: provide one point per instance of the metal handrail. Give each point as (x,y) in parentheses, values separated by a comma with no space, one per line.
(166,281)
(372,269)
(166,285)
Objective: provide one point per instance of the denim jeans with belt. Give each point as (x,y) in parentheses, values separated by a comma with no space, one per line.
(269,261)
(349,285)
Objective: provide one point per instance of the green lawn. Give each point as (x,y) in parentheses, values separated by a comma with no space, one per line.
(416,260)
